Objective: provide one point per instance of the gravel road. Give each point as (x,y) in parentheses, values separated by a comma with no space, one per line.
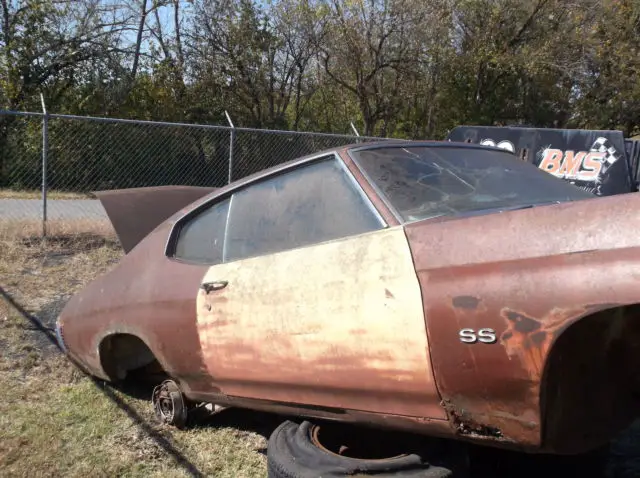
(56,209)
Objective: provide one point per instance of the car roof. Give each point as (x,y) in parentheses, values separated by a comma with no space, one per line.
(348,148)
(395,143)
(353,147)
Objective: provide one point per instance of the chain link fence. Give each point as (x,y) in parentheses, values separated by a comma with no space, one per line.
(50,164)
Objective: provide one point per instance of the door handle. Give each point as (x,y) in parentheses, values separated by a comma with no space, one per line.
(215,285)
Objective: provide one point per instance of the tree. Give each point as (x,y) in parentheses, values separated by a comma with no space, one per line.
(43,47)
(369,51)
(608,91)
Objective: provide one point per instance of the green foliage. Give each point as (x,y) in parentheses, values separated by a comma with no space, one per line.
(399,68)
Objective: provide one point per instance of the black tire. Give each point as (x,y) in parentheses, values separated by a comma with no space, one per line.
(292,453)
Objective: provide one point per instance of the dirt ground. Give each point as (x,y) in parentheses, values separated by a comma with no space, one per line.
(55,421)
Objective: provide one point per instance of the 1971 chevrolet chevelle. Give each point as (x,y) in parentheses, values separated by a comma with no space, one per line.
(442,288)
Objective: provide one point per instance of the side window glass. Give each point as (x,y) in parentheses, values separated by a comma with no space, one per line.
(312,204)
(201,238)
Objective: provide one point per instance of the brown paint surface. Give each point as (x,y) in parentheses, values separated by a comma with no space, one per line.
(338,324)
(523,277)
(152,297)
(528,274)
(146,295)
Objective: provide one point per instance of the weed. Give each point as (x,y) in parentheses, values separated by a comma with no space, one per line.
(56,421)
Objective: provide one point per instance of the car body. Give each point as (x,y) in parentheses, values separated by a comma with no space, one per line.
(435,287)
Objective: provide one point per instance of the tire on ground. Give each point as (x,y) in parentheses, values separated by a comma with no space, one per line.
(291,453)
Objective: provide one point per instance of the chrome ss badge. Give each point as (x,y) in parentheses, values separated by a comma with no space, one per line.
(470,336)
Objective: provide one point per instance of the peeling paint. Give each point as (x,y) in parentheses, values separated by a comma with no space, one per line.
(529,339)
(335,329)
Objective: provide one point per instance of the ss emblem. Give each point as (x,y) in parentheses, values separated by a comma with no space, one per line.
(470,336)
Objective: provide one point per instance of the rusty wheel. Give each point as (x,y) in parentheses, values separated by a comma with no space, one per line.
(341,441)
(169,404)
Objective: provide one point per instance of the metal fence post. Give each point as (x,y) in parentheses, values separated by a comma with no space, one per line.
(231,141)
(45,150)
(353,127)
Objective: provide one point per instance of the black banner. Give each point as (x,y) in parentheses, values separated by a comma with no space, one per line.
(592,160)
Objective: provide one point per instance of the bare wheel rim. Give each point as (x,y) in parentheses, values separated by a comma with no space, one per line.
(334,444)
(168,403)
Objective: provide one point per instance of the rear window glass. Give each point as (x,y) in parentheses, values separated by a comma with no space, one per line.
(424,182)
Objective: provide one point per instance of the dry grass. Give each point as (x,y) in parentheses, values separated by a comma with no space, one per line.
(57,422)
(11,229)
(37,194)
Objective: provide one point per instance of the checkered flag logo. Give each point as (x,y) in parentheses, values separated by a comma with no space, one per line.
(602,145)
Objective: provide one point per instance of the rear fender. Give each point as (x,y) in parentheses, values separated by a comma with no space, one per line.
(590,384)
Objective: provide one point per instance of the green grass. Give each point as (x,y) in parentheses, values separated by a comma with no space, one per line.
(73,429)
(55,421)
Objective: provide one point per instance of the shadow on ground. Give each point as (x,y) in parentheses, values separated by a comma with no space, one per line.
(108,392)
(621,459)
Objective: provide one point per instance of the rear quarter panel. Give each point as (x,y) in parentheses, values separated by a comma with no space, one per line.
(147,295)
(528,275)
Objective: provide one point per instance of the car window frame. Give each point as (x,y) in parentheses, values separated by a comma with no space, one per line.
(174,233)
(176,229)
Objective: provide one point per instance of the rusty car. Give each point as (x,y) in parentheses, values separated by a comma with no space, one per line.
(427,287)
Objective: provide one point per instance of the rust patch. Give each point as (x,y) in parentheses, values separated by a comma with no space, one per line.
(529,338)
(466,302)
(388,294)
(466,425)
(521,323)
(538,338)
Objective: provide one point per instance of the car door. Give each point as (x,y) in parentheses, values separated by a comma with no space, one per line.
(316,301)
